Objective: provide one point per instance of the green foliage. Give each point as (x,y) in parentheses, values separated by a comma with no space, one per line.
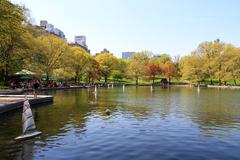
(77,59)
(137,65)
(191,67)
(117,75)
(63,74)
(50,51)
(107,64)
(25,46)
(11,37)
(163,58)
(212,60)
(93,71)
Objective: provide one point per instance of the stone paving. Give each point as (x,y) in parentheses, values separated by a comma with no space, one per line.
(12,102)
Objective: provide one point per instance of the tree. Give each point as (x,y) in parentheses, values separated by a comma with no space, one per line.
(176,62)
(153,69)
(169,70)
(231,64)
(120,72)
(163,58)
(11,30)
(191,68)
(63,74)
(211,53)
(107,64)
(49,52)
(78,60)
(137,64)
(93,71)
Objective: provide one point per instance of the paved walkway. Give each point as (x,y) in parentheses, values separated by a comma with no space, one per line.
(12,102)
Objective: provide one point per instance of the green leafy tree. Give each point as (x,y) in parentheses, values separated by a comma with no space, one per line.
(163,58)
(120,72)
(231,64)
(63,74)
(78,60)
(211,53)
(50,51)
(93,71)
(137,65)
(11,40)
(191,68)
(107,63)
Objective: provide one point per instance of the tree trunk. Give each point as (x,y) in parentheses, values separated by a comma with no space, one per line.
(1,75)
(105,78)
(225,83)
(75,79)
(153,79)
(5,77)
(47,78)
(211,82)
(169,80)
(219,82)
(235,82)
(136,80)
(89,80)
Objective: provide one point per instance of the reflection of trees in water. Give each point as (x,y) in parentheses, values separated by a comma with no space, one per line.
(137,101)
(214,112)
(68,109)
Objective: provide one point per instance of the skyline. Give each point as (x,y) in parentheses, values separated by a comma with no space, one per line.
(175,27)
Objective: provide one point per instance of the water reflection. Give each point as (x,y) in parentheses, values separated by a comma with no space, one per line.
(77,119)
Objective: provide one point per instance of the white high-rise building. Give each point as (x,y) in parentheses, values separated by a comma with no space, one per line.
(81,40)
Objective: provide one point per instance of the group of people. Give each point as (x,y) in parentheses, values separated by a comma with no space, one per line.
(31,84)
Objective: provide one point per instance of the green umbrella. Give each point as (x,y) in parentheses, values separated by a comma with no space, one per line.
(25,77)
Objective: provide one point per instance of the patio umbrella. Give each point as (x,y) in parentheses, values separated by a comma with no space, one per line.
(25,72)
(25,77)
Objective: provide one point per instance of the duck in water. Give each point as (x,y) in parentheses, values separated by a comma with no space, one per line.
(108,111)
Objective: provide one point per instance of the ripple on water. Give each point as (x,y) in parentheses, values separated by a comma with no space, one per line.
(165,124)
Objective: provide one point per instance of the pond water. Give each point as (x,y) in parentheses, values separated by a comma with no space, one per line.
(175,123)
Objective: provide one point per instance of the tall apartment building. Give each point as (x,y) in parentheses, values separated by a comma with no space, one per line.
(127,55)
(81,40)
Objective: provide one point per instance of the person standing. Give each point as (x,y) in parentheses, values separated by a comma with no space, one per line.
(35,88)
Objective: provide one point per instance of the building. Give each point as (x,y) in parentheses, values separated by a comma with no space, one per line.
(59,33)
(43,24)
(104,51)
(81,40)
(127,55)
(157,55)
(50,28)
(78,45)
